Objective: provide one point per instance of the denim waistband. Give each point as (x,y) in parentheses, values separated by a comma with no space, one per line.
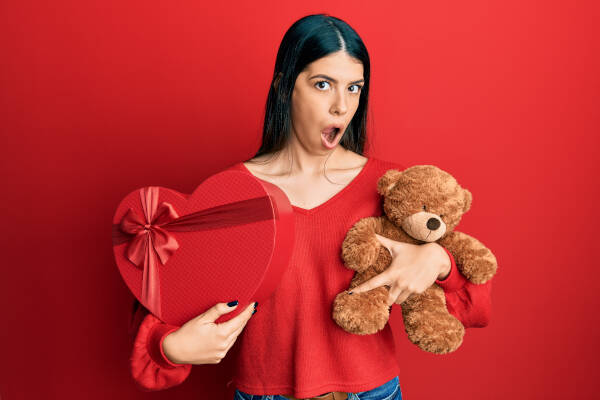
(388,391)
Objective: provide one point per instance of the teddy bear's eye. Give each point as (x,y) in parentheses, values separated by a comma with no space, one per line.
(424,207)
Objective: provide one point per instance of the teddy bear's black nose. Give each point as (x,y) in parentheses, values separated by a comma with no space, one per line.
(433,223)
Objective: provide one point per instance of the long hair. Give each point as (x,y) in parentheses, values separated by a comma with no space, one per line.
(308,39)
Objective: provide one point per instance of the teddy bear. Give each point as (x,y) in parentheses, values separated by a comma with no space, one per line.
(421,204)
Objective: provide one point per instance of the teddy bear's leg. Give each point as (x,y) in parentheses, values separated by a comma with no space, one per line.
(362,313)
(476,262)
(428,323)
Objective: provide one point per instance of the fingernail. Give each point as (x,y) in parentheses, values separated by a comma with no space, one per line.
(350,292)
(255,304)
(232,303)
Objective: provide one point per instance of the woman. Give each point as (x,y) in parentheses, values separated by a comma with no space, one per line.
(312,148)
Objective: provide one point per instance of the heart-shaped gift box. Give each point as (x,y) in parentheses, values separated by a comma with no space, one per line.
(231,239)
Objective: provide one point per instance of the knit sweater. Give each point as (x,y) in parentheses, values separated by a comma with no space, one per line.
(292,345)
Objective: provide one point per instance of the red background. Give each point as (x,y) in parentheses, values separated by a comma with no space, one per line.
(99,98)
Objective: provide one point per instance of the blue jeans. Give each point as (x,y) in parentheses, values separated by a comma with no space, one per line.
(388,391)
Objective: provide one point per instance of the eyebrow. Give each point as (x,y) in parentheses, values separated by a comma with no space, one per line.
(331,79)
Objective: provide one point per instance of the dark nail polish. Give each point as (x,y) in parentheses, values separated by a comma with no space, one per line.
(255,310)
(255,304)
(232,303)
(349,292)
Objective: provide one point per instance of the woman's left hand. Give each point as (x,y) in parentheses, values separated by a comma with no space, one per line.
(414,268)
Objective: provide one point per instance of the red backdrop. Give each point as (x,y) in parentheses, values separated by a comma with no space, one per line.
(99,98)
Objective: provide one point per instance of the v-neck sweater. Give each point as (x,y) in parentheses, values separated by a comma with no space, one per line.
(292,345)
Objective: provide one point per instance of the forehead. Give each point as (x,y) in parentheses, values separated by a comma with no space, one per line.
(338,65)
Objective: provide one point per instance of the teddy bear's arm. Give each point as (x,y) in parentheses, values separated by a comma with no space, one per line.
(361,248)
(476,262)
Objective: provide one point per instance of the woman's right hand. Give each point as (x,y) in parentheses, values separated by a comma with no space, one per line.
(201,341)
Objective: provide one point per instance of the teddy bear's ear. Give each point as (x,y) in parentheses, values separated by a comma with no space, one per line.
(386,183)
(467,200)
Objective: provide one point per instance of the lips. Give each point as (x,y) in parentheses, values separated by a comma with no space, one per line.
(331,127)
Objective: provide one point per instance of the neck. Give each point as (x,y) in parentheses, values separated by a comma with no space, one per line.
(299,160)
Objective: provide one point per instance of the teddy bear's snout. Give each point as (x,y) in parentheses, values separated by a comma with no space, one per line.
(424,226)
(433,224)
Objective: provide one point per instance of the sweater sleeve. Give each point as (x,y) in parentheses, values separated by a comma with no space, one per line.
(150,367)
(467,301)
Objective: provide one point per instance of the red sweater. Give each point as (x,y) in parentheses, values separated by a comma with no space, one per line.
(292,345)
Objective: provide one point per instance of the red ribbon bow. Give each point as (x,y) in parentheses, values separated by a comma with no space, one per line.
(149,241)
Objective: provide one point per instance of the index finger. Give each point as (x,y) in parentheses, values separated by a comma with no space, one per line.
(375,282)
(228,327)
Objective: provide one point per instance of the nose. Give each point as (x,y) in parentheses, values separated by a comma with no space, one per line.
(340,103)
(433,223)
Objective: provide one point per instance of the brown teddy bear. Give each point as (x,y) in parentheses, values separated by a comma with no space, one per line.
(421,204)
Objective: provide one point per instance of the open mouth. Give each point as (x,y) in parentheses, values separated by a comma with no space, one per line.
(332,133)
(330,137)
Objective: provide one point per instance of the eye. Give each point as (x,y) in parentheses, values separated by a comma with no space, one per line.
(441,215)
(424,207)
(318,84)
(358,88)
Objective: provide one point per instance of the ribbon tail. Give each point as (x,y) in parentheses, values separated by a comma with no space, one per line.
(165,244)
(150,280)
(137,249)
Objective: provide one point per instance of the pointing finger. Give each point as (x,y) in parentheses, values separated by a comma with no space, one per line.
(374,282)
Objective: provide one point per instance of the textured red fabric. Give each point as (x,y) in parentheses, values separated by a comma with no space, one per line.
(149,366)
(292,345)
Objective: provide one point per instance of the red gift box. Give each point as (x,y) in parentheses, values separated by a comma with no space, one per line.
(231,239)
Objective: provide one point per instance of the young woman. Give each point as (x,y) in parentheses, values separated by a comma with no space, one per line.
(312,148)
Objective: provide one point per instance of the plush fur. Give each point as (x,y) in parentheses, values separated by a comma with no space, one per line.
(421,204)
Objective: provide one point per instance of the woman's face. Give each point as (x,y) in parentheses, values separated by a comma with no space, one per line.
(325,95)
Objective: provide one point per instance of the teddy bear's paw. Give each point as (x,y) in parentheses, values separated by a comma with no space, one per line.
(480,270)
(361,259)
(443,336)
(362,313)
(360,248)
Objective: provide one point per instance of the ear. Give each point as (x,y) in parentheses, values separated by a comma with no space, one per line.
(467,200)
(386,183)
